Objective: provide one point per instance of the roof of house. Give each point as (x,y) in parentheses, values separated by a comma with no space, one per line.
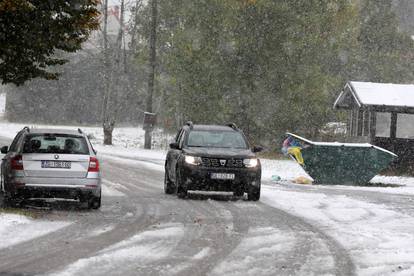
(378,96)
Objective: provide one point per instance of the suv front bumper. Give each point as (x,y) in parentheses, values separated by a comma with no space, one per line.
(199,178)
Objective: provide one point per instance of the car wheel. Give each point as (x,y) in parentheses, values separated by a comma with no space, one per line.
(239,192)
(94,202)
(168,185)
(179,190)
(253,194)
(2,184)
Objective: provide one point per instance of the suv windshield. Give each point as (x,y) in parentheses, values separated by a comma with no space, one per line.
(216,139)
(55,143)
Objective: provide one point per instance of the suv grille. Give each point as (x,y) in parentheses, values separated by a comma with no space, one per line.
(216,162)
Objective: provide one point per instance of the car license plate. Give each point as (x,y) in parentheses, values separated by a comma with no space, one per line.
(56,164)
(224,176)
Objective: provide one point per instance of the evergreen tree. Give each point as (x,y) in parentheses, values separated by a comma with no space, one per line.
(31,33)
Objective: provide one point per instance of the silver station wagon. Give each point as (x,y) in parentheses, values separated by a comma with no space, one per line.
(51,163)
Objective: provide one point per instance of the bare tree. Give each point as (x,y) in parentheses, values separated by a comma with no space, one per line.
(114,64)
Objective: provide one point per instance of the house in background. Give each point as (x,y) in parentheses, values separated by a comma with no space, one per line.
(95,41)
(381,114)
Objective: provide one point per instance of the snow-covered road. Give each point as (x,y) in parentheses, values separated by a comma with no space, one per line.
(141,231)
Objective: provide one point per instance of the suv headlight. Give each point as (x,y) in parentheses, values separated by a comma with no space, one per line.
(250,163)
(193,160)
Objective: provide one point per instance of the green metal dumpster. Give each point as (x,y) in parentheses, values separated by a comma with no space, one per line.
(342,163)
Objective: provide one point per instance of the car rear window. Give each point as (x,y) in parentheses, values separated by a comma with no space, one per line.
(55,143)
(216,139)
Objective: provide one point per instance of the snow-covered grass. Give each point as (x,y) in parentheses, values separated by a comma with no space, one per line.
(379,240)
(16,228)
(128,142)
(2,104)
(123,137)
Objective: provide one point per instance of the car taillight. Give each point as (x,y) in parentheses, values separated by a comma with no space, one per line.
(93,165)
(17,163)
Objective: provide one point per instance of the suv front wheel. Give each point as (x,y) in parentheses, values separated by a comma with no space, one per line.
(168,185)
(179,189)
(253,193)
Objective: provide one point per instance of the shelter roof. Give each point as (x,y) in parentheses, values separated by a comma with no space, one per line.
(377,96)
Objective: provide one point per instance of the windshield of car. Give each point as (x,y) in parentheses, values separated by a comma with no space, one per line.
(55,143)
(216,139)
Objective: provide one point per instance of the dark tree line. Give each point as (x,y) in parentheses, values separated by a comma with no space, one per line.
(271,66)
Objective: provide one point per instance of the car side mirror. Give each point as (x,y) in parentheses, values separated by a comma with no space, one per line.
(257,149)
(174,145)
(5,149)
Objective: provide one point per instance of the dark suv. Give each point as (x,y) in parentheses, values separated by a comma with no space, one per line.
(212,158)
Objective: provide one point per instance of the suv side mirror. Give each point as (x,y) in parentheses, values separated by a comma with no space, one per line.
(257,149)
(5,149)
(174,145)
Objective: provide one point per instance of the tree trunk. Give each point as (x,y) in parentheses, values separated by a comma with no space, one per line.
(148,139)
(108,128)
(152,64)
(113,75)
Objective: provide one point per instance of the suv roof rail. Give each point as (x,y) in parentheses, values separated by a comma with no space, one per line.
(190,124)
(80,131)
(233,126)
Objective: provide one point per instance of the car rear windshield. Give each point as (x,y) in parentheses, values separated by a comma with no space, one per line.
(55,143)
(216,139)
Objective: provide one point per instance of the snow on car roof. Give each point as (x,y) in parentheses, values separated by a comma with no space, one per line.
(379,94)
(55,131)
(212,127)
(338,144)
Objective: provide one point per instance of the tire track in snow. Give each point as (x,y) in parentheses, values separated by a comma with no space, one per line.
(268,227)
(211,235)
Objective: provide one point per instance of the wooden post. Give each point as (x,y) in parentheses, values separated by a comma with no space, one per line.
(360,122)
(349,126)
(393,130)
(373,127)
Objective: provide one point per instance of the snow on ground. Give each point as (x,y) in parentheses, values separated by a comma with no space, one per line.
(127,142)
(380,240)
(16,229)
(111,189)
(289,170)
(134,253)
(123,137)
(2,104)
(264,245)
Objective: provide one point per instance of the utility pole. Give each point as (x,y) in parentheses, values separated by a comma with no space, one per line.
(151,76)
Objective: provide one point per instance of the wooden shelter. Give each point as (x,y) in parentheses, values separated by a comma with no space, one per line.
(381,114)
